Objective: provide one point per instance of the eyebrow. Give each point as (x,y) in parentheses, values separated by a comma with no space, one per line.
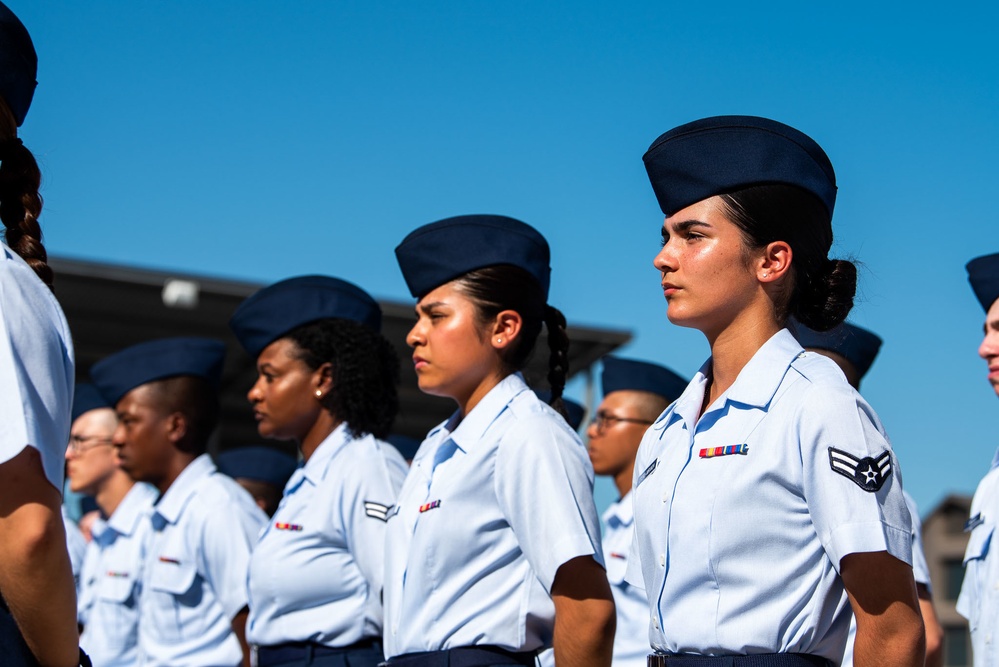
(427,307)
(685,226)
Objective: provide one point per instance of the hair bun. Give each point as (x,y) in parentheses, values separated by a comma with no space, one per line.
(826,300)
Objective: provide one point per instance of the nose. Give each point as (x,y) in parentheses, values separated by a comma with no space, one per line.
(593,430)
(118,437)
(69,452)
(255,395)
(990,345)
(665,259)
(415,336)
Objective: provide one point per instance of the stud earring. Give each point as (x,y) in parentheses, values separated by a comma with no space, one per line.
(765,274)
(319,393)
(499,340)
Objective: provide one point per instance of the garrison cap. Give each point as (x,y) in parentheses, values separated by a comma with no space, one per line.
(633,375)
(855,344)
(277,309)
(722,154)
(159,359)
(259,463)
(574,411)
(18,64)
(87,398)
(983,274)
(438,253)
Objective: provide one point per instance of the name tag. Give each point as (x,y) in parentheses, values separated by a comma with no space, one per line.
(648,471)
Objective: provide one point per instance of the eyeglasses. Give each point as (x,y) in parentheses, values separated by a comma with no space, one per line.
(76,442)
(604,421)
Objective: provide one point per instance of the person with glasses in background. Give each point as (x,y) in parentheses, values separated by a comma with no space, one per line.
(110,579)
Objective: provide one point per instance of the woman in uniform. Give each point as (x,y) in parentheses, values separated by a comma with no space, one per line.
(327,380)
(38,605)
(768,501)
(493,550)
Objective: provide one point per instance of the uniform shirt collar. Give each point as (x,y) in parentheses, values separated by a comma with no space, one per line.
(315,468)
(471,429)
(171,504)
(761,377)
(132,508)
(620,514)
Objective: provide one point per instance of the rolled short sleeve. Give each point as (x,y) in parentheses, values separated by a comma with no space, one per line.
(544,484)
(851,478)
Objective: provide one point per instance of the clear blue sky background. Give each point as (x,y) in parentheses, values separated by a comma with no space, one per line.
(259,140)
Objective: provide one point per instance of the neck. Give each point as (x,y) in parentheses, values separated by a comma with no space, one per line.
(468,403)
(624,478)
(325,424)
(177,465)
(733,347)
(113,491)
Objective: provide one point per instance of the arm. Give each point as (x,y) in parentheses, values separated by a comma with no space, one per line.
(934,631)
(36,579)
(883,596)
(584,614)
(239,628)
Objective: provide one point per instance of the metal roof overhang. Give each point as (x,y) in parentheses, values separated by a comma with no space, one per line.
(110,307)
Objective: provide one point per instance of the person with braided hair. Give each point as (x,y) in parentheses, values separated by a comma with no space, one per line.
(37,593)
(768,501)
(493,548)
(326,378)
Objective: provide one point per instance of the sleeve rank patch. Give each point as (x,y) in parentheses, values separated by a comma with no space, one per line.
(376,510)
(869,473)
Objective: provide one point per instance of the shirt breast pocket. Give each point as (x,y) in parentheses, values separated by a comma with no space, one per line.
(975,570)
(176,593)
(117,590)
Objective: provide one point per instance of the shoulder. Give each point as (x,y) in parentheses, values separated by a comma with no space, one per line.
(368,457)
(219,498)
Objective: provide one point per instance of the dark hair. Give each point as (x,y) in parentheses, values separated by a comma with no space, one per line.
(494,289)
(365,372)
(821,290)
(20,203)
(197,400)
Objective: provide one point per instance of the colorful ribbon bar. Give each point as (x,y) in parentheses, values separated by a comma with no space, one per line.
(711,452)
(288,526)
(430,506)
(173,561)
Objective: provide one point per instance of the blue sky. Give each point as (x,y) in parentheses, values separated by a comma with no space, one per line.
(259,140)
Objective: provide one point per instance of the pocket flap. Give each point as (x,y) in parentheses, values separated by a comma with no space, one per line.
(978,545)
(171,576)
(116,587)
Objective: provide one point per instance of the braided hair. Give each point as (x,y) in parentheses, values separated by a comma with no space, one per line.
(20,202)
(494,289)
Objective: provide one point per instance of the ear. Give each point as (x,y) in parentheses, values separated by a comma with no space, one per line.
(323,379)
(505,329)
(176,427)
(774,263)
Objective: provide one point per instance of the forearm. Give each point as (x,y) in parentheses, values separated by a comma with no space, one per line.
(239,629)
(894,640)
(934,632)
(35,574)
(584,615)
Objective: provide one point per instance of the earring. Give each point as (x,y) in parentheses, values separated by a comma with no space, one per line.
(499,340)
(319,393)
(765,274)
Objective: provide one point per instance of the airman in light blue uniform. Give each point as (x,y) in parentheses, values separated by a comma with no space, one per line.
(979,599)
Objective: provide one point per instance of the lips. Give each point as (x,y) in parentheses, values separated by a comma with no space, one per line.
(669,289)
(419,362)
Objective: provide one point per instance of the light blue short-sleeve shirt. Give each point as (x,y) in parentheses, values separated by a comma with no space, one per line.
(491,508)
(631,640)
(316,572)
(743,516)
(979,598)
(194,575)
(111,581)
(36,368)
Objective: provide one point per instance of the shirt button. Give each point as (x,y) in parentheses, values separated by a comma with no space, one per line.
(665,496)
(662,560)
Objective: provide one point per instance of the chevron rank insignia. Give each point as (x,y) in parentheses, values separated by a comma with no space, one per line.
(869,473)
(376,510)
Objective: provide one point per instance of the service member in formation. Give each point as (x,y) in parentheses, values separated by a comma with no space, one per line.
(193,605)
(494,549)
(979,599)
(853,349)
(326,378)
(635,394)
(767,498)
(110,580)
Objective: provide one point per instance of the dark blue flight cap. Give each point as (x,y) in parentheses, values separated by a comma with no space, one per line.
(407,446)
(275,310)
(633,375)
(719,155)
(87,398)
(159,359)
(18,64)
(574,411)
(855,344)
(438,253)
(259,463)
(983,274)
